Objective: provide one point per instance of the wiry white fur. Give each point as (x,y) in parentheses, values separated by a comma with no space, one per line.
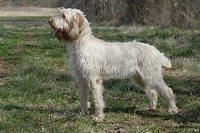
(92,60)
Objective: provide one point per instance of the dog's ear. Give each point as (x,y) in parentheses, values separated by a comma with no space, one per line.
(80,21)
(77,25)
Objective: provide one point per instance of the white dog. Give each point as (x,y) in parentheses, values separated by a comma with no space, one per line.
(92,60)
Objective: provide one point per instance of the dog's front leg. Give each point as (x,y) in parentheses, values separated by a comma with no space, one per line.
(97,92)
(83,94)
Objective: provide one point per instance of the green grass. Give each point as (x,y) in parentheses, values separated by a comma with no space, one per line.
(38,94)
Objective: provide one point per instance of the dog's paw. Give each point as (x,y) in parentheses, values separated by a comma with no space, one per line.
(98,118)
(84,114)
(148,107)
(173,110)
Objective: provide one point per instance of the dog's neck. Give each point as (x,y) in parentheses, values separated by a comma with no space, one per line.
(86,31)
(83,34)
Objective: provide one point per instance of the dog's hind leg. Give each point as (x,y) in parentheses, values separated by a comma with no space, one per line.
(152,96)
(168,94)
(97,92)
(151,93)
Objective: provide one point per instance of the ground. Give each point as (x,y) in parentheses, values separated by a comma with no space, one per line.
(21,12)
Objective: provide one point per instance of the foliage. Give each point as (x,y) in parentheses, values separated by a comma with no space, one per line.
(162,13)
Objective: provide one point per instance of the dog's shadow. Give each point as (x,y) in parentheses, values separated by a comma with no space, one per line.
(192,116)
(67,114)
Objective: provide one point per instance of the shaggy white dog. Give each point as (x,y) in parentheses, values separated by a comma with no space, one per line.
(92,60)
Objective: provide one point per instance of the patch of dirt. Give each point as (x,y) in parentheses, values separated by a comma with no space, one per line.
(26,11)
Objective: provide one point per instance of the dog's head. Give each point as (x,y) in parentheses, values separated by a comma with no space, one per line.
(69,24)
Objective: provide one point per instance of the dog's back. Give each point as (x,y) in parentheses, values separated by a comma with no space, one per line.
(120,60)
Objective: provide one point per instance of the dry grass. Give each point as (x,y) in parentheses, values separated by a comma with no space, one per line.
(26,11)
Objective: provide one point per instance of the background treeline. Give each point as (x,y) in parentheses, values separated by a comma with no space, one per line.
(164,13)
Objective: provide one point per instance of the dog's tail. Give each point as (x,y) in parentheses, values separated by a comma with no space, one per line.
(165,61)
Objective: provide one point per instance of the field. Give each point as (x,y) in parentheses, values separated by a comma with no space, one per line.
(38,94)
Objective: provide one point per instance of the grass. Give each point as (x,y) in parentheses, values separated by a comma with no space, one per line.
(38,94)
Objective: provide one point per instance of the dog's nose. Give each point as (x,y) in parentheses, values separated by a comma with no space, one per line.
(50,21)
